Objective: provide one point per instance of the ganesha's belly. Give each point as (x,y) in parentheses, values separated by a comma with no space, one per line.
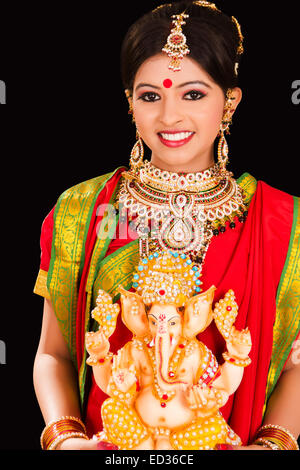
(174,414)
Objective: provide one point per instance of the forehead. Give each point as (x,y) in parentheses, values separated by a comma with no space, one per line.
(167,309)
(155,70)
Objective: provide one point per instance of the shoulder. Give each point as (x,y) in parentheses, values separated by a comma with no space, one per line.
(271,200)
(88,188)
(77,202)
(249,184)
(282,206)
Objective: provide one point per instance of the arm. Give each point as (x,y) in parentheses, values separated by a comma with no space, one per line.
(97,345)
(54,377)
(238,346)
(110,370)
(283,407)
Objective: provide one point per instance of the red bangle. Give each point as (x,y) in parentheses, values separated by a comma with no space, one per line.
(62,426)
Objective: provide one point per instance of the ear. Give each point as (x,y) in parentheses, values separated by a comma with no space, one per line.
(237,93)
(198,313)
(133,312)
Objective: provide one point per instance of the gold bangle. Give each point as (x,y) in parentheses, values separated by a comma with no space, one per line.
(95,361)
(278,435)
(60,426)
(266,443)
(64,437)
(235,361)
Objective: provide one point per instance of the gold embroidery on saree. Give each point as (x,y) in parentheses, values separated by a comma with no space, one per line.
(71,222)
(40,287)
(287,321)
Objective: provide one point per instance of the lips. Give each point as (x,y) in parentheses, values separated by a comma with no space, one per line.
(175,138)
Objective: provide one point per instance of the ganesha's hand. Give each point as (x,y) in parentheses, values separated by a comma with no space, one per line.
(205,400)
(97,344)
(239,343)
(124,377)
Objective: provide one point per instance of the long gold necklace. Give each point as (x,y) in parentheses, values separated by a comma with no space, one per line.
(180,211)
(175,361)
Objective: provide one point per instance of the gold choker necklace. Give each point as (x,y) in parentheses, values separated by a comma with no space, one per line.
(180,211)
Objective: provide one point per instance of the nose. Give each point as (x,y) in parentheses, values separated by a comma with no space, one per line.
(170,114)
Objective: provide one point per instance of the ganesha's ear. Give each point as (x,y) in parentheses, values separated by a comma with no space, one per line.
(198,313)
(133,312)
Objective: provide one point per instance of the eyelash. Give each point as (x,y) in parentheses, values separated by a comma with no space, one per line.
(148,94)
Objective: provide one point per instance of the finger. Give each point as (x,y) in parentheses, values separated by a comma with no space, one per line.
(198,395)
(189,396)
(192,398)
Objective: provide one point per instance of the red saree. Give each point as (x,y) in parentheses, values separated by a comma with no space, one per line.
(250,260)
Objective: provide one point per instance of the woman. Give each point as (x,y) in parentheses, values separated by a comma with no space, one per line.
(180,76)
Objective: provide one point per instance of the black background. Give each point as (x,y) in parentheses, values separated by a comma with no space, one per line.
(66,121)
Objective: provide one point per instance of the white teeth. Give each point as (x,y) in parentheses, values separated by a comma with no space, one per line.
(178,136)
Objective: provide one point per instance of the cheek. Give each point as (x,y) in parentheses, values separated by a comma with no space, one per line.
(146,124)
(176,329)
(209,118)
(152,329)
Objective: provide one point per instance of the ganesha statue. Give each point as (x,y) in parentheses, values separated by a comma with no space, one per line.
(166,387)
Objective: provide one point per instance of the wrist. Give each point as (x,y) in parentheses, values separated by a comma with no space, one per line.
(241,361)
(60,430)
(275,435)
(99,359)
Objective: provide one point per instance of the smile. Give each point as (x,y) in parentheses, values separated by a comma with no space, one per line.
(175,139)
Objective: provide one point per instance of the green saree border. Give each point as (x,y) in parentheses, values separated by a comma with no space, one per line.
(287,322)
(114,270)
(107,228)
(248,183)
(72,217)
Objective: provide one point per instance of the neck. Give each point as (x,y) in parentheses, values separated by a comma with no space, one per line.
(192,166)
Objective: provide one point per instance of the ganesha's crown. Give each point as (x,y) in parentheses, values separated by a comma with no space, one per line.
(167,277)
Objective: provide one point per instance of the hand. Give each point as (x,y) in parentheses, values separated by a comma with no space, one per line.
(77,443)
(239,343)
(123,376)
(97,344)
(250,447)
(202,399)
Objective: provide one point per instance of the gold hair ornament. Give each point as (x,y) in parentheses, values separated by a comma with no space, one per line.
(201,3)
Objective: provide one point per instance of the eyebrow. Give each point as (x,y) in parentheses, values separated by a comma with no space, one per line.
(151,315)
(193,82)
(174,316)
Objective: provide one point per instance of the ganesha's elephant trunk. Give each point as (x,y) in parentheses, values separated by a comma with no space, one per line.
(162,356)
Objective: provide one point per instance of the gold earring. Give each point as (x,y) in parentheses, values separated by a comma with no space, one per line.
(137,154)
(224,128)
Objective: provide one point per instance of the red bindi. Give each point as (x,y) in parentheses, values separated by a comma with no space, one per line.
(167,83)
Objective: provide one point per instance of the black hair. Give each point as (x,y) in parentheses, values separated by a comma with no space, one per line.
(212,38)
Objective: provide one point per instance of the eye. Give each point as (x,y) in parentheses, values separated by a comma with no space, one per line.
(149,97)
(194,95)
(153,322)
(172,323)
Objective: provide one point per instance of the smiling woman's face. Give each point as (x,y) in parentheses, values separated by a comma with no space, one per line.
(178,114)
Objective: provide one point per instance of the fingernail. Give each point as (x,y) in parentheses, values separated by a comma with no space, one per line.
(223,447)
